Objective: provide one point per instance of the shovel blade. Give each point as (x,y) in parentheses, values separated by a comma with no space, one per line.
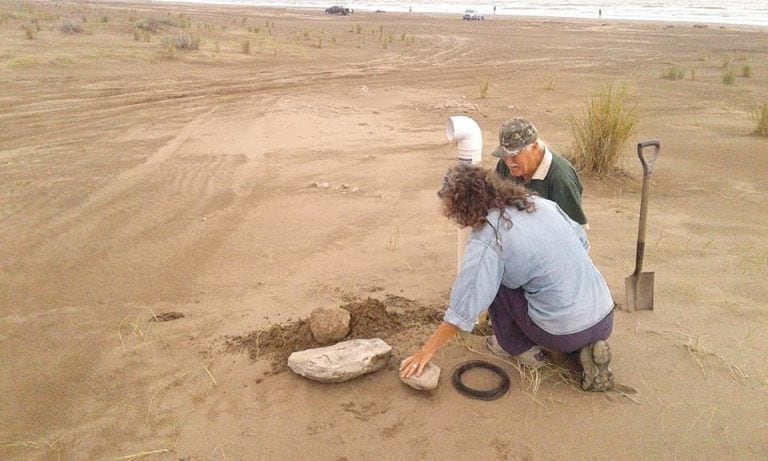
(639,289)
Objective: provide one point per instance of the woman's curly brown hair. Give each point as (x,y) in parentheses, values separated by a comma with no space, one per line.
(469,192)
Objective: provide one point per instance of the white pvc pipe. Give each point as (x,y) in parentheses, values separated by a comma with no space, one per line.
(469,136)
(470,139)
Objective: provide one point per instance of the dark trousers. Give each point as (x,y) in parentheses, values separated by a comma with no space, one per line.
(517,333)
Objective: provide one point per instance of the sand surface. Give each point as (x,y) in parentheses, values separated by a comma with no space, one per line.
(244,190)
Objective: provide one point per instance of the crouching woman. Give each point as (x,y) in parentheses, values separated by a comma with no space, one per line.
(527,262)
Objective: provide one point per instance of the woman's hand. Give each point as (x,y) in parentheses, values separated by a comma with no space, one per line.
(415,364)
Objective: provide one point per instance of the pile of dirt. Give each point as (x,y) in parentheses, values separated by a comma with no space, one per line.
(370,318)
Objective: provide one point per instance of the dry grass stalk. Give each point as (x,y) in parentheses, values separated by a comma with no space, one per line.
(142,454)
(215,383)
(700,353)
(394,239)
(534,378)
(695,347)
(484,90)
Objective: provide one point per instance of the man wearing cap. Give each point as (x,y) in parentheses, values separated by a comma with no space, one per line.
(526,159)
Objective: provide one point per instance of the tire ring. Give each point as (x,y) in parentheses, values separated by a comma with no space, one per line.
(491,394)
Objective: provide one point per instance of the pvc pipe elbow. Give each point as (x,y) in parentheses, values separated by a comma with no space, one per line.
(469,136)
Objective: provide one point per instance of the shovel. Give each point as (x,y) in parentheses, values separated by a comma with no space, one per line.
(639,284)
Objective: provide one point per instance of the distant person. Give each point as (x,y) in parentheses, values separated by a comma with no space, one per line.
(494,9)
(525,159)
(600,13)
(529,262)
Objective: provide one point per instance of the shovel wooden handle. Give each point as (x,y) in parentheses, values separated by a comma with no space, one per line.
(647,162)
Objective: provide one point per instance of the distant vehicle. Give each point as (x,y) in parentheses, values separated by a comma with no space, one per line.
(338,10)
(473,15)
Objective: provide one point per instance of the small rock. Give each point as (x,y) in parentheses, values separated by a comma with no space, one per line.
(329,324)
(321,185)
(428,380)
(341,362)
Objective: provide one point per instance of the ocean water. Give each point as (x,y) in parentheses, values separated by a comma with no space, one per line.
(745,12)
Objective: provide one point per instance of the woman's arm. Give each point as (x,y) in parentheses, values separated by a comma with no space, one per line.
(442,335)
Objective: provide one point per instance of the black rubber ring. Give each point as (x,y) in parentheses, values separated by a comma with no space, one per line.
(491,394)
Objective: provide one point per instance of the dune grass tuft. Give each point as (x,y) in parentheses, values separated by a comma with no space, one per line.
(70,27)
(601,133)
(149,25)
(761,119)
(29,31)
(181,41)
(729,78)
(673,73)
(746,71)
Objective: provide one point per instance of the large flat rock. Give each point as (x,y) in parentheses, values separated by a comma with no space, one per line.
(342,361)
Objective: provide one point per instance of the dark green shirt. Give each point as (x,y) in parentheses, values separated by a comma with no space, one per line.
(561,184)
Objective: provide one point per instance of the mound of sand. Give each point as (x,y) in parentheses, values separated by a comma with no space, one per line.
(399,322)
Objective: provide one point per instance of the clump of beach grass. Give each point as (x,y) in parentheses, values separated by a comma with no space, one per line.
(746,71)
(673,73)
(141,35)
(149,25)
(729,78)
(245,47)
(602,131)
(182,41)
(29,31)
(70,27)
(761,119)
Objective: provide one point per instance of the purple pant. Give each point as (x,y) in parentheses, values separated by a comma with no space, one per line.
(517,333)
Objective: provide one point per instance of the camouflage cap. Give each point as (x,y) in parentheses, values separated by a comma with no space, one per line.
(515,135)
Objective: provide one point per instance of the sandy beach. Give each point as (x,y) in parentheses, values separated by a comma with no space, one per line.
(290,162)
